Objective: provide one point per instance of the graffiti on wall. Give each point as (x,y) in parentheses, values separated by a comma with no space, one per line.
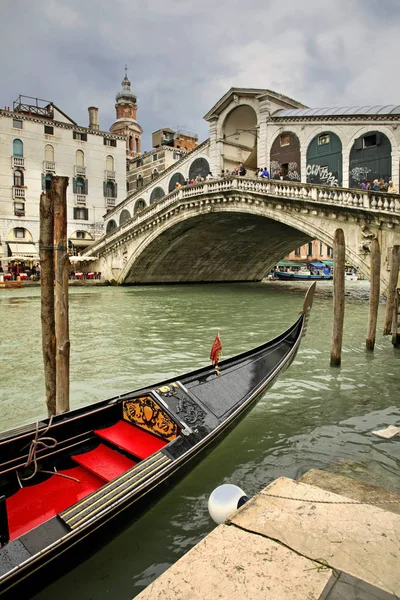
(319,174)
(359,174)
(292,173)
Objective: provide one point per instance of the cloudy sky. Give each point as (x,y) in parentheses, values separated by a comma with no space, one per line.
(183,55)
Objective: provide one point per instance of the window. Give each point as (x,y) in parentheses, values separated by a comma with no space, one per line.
(79,158)
(139,182)
(18,148)
(154,174)
(109,163)
(323,139)
(19,232)
(81,213)
(285,139)
(77,135)
(310,249)
(176,155)
(109,142)
(297,252)
(46,181)
(109,189)
(369,141)
(139,162)
(321,253)
(18,178)
(19,209)
(17,124)
(80,235)
(155,157)
(49,153)
(80,185)
(49,130)
(329,251)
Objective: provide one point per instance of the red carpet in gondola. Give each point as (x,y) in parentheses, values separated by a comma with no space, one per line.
(33,505)
(131,439)
(104,462)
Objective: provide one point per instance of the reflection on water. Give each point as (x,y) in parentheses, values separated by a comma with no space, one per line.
(314,417)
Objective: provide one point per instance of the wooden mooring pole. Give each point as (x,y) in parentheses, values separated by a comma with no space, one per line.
(59,192)
(395,320)
(391,294)
(374,293)
(46,255)
(339,252)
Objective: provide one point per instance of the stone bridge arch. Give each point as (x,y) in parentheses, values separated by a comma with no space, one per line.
(240,245)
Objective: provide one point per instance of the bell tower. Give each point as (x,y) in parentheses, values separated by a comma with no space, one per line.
(126,123)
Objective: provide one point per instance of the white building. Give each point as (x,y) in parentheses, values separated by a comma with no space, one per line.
(38,140)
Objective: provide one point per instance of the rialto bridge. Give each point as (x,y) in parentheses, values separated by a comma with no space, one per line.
(237,228)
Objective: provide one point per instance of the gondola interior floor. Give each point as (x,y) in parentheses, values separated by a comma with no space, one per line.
(34,504)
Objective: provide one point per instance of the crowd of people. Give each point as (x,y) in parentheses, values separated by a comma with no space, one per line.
(380,185)
(15,269)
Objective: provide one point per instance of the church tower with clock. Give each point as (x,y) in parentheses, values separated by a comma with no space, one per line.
(126,124)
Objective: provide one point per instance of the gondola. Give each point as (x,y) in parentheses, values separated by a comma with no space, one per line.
(69,481)
(301,276)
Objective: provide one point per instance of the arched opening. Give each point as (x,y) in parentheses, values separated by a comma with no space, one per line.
(324,159)
(49,153)
(79,240)
(18,148)
(157,194)
(109,163)
(285,156)
(370,158)
(18,178)
(176,178)
(154,174)
(139,206)
(199,166)
(111,225)
(239,133)
(124,216)
(139,182)
(79,158)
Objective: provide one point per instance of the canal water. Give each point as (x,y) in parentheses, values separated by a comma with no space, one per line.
(126,337)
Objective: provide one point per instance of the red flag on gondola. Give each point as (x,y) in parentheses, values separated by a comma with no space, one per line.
(216,350)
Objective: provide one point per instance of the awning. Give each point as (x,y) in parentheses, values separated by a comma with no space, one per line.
(81,243)
(291,263)
(21,249)
(75,259)
(328,263)
(317,264)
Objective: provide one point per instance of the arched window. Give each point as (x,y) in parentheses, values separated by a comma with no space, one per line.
(176,178)
(139,206)
(18,148)
(80,185)
(109,163)
(157,194)
(139,182)
(79,158)
(199,166)
(111,225)
(18,178)
(124,216)
(49,153)
(154,175)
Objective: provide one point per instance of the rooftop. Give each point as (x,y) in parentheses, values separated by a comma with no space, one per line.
(387,109)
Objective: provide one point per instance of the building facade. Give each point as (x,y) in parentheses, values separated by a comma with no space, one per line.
(148,166)
(37,141)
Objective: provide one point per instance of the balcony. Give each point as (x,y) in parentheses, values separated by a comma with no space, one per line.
(80,200)
(49,167)
(80,171)
(18,162)
(19,192)
(110,202)
(109,175)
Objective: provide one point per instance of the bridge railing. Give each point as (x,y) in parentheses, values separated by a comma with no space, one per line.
(353,198)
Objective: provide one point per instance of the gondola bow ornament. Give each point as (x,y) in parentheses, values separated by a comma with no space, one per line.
(216,353)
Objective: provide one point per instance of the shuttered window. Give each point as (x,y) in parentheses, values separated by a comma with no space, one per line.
(81,213)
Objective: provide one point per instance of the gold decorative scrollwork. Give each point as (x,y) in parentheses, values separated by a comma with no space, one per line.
(147,414)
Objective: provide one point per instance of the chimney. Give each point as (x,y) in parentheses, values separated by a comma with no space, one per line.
(93,117)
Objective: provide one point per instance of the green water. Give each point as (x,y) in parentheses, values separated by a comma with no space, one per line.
(314,417)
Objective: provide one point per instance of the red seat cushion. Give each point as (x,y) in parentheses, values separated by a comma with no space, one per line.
(131,439)
(104,462)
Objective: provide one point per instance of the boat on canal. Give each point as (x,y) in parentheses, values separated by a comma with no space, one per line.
(68,484)
(301,275)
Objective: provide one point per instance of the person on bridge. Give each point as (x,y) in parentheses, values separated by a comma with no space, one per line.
(241,170)
(265,173)
(392,189)
(277,174)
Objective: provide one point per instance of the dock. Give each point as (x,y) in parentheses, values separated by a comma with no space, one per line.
(324,536)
